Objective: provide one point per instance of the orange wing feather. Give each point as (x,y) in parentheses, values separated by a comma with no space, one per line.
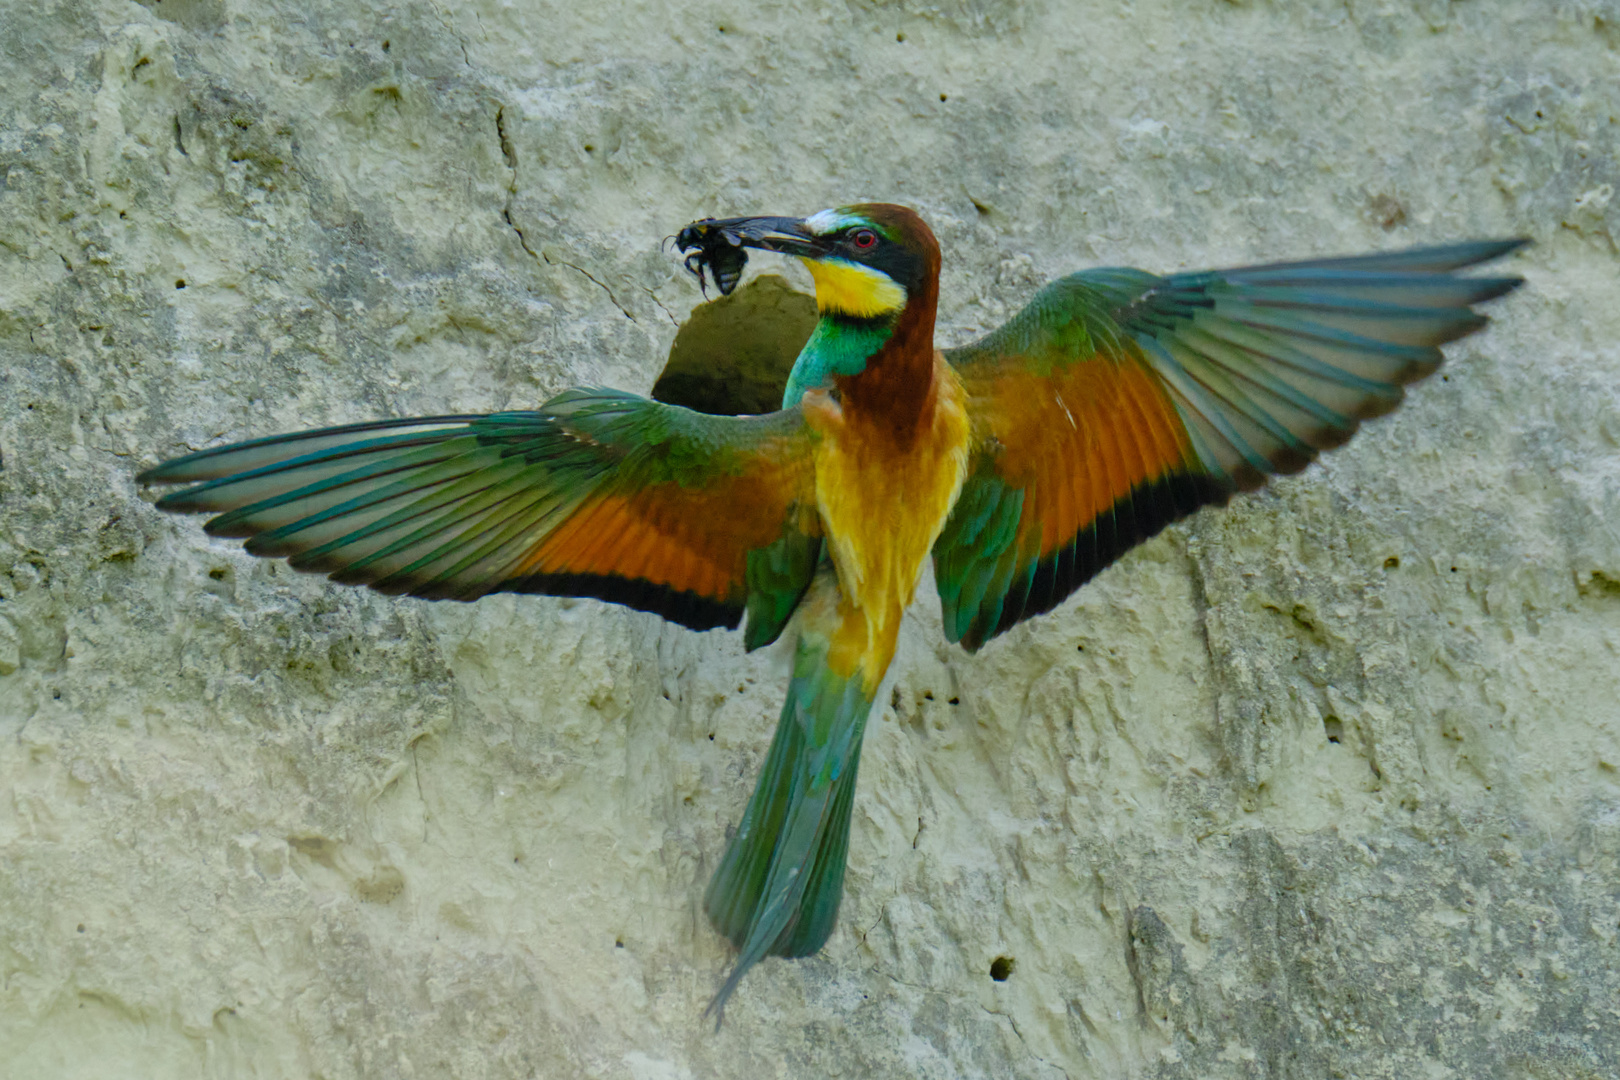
(599,494)
(1086,437)
(1118,401)
(695,540)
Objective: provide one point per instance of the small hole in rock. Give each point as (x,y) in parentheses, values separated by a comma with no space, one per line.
(218,573)
(711,736)
(385,46)
(589,149)
(1334,728)
(928,695)
(1453,569)
(1392,563)
(81,928)
(900,37)
(180,283)
(618,943)
(1001,967)
(942,97)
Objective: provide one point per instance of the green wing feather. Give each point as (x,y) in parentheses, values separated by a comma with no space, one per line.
(1118,401)
(599,493)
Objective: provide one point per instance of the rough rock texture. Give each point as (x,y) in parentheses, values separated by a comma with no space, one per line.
(1321,785)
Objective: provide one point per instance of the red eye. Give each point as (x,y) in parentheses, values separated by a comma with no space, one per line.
(864,239)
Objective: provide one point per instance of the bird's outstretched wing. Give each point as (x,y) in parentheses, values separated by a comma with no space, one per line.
(599,493)
(1118,401)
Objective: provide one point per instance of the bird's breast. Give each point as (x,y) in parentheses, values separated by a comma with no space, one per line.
(884,494)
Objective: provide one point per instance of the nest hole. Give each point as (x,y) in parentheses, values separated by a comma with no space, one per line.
(733,355)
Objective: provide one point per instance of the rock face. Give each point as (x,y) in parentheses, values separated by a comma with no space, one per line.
(1320,785)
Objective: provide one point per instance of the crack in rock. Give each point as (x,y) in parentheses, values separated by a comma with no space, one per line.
(654,297)
(444,20)
(510,155)
(509,152)
(592,278)
(1025,1042)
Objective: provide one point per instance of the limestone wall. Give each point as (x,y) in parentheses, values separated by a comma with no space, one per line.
(1323,784)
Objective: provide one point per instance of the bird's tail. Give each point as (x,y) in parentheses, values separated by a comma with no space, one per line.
(779,884)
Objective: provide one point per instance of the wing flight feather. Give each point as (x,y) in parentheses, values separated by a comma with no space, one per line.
(598,493)
(1118,401)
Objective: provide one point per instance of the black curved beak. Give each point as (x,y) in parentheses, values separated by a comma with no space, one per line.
(784,235)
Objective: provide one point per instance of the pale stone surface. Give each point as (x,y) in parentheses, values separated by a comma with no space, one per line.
(1323,784)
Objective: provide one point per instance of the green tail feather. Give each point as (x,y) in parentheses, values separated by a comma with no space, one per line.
(779,884)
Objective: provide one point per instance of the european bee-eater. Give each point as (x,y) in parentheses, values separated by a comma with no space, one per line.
(1115,403)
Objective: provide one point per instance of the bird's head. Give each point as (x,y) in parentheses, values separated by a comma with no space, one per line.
(868,261)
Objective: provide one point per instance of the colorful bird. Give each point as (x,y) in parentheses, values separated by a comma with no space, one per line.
(1116,402)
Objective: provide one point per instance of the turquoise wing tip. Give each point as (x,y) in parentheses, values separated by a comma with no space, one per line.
(180,470)
(1495,249)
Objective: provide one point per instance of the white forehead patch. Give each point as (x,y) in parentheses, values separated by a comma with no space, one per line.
(829,221)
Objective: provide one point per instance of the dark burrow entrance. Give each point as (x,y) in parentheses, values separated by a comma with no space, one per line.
(733,354)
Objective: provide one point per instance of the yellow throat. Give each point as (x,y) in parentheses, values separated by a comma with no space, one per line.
(846,288)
